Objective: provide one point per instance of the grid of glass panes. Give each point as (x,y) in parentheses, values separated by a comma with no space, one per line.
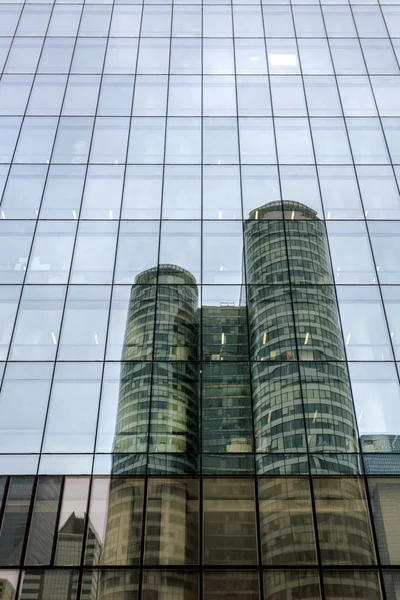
(140,134)
(65,552)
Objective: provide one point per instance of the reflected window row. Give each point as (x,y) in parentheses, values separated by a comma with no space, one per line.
(54,521)
(151,584)
(192,140)
(192,56)
(220,20)
(183,192)
(210,95)
(213,252)
(186,407)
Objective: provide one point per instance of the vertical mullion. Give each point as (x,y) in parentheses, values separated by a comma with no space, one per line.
(249,363)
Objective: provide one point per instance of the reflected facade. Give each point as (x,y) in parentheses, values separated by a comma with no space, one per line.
(199,299)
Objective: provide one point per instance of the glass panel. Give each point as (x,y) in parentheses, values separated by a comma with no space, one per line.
(183,143)
(72,520)
(172,514)
(377,401)
(182,585)
(286,522)
(14,93)
(182,192)
(103,191)
(125,385)
(38,323)
(221,585)
(9,297)
(14,520)
(84,329)
(56,55)
(55,583)
(339,585)
(47,95)
(229,522)
(288,96)
(226,397)
(43,521)
(257,144)
(380,193)
(72,140)
(81,95)
(220,141)
(300,583)
(221,192)
(146,143)
(391,301)
(121,56)
(51,253)
(364,325)
(180,246)
(75,385)
(343,523)
(137,249)
(150,95)
(222,252)
(9,581)
(367,141)
(23,192)
(383,494)
(352,260)
(340,193)
(116,585)
(94,254)
(23,406)
(63,192)
(184,97)
(116,513)
(36,140)
(253,96)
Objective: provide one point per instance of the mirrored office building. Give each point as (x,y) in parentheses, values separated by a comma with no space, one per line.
(199,299)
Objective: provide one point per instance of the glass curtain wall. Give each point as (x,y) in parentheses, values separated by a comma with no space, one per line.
(199,299)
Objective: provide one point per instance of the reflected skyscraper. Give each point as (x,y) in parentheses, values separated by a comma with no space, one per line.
(293,316)
(249,370)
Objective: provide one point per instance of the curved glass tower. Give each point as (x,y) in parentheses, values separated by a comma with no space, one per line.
(301,391)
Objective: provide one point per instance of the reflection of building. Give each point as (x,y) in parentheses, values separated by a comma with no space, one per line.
(226,412)
(273,376)
(381,454)
(57,583)
(293,316)
(6,590)
(157,411)
(157,407)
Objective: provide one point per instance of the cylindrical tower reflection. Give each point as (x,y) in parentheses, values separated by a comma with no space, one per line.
(158,402)
(157,417)
(293,316)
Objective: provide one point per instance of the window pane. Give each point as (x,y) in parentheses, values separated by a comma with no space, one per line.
(229,522)
(94,254)
(84,329)
(221,585)
(72,518)
(302,583)
(74,385)
(51,253)
(171,535)
(38,323)
(182,585)
(343,523)
(23,405)
(103,191)
(43,523)
(287,531)
(14,520)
